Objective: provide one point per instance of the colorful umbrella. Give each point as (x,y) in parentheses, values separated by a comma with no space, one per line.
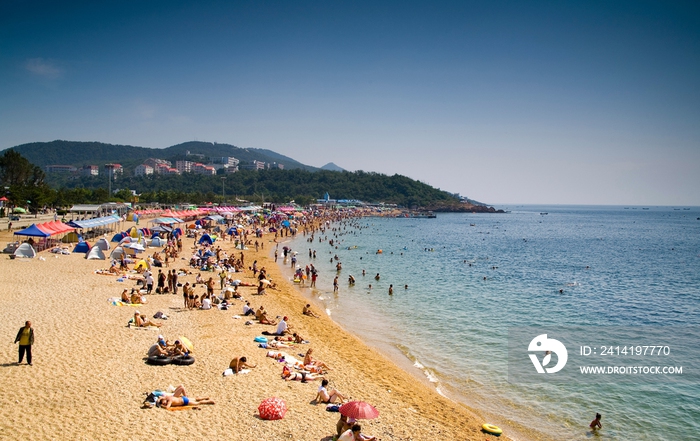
(187,343)
(359,410)
(272,409)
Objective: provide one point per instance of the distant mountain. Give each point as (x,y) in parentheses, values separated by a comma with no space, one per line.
(332,167)
(79,153)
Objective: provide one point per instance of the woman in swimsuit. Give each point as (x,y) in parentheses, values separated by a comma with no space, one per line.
(309,361)
(288,375)
(326,396)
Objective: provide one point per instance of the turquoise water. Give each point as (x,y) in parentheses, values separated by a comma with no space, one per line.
(472,276)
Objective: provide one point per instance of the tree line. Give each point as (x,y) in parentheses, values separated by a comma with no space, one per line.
(26,185)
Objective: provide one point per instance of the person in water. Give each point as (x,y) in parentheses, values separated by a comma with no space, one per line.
(595,424)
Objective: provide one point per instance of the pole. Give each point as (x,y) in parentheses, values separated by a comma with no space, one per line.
(223,190)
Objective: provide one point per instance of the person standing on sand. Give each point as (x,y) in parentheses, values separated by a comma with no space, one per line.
(25,337)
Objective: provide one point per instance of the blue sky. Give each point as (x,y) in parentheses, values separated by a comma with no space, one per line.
(505,102)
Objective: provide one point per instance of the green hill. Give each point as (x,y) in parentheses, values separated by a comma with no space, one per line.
(79,153)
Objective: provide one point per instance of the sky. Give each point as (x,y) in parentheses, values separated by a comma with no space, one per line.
(506,102)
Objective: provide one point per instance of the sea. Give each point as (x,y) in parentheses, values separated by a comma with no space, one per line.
(462,281)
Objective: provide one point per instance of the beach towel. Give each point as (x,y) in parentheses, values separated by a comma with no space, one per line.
(229,371)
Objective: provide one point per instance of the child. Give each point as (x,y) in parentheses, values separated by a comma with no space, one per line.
(595,424)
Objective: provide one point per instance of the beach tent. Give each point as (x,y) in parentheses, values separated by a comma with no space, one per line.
(117,253)
(25,250)
(102,244)
(71,237)
(95,253)
(205,239)
(157,242)
(82,247)
(142,264)
(126,239)
(32,230)
(118,237)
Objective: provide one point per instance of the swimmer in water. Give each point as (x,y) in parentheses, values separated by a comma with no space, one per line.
(595,424)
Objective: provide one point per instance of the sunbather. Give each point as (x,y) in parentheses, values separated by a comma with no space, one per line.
(289,375)
(309,361)
(142,322)
(326,396)
(239,363)
(179,398)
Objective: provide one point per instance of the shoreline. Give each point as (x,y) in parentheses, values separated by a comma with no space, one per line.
(89,377)
(400,359)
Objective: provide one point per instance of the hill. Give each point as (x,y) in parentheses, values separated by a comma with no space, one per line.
(79,153)
(332,167)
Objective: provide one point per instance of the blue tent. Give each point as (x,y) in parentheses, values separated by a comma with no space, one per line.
(205,238)
(118,237)
(33,230)
(82,247)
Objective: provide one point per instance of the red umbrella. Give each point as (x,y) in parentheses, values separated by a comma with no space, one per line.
(272,408)
(359,410)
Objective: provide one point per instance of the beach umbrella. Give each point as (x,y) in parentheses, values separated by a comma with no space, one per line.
(359,410)
(187,343)
(272,408)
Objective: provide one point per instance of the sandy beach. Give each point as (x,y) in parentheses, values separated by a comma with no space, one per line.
(89,378)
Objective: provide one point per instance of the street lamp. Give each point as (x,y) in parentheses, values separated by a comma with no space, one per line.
(223,189)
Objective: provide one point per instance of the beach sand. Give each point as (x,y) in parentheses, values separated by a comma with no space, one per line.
(89,377)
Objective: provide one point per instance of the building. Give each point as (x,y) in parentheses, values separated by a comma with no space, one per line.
(60,169)
(225,160)
(162,169)
(274,166)
(202,169)
(90,170)
(253,165)
(184,166)
(142,170)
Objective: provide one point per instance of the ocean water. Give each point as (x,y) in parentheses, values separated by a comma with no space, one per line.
(471,277)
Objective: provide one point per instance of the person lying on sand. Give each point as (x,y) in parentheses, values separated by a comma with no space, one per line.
(179,398)
(240,363)
(142,322)
(288,375)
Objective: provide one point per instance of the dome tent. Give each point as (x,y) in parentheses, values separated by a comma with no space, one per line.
(82,247)
(95,253)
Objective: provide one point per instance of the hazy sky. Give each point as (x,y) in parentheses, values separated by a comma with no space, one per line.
(505,102)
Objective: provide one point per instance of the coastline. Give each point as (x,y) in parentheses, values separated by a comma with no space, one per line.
(89,378)
(400,358)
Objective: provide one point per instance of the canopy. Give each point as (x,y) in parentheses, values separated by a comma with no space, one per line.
(167,220)
(92,223)
(32,230)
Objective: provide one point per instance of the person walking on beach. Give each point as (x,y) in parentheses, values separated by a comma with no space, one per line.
(25,337)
